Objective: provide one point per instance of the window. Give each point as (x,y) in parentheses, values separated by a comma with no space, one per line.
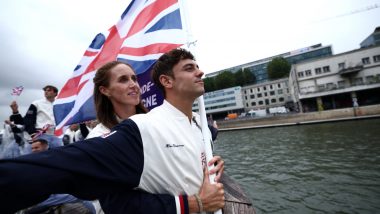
(265,88)
(281,99)
(246,98)
(308,73)
(279,85)
(358,81)
(251,90)
(266,101)
(376,58)
(365,61)
(300,74)
(253,103)
(273,100)
(341,84)
(342,66)
(271,86)
(271,93)
(280,91)
(370,79)
(261,102)
(318,71)
(265,94)
(252,96)
(259,95)
(326,69)
(246,105)
(258,89)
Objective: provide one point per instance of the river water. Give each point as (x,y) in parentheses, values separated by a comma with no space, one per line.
(319,168)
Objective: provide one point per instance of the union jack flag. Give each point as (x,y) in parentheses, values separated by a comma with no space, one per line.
(16,91)
(146,30)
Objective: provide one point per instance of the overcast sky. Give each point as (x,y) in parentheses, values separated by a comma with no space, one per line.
(41,41)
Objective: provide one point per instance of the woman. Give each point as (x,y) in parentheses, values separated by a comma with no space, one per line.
(117,97)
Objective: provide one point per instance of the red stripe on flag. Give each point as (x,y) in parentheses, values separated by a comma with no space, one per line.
(70,88)
(109,52)
(148,14)
(90,53)
(150,49)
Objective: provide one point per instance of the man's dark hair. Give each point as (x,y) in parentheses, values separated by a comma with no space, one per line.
(165,64)
(42,141)
(55,89)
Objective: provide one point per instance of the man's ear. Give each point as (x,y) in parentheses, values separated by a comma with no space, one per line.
(104,91)
(166,81)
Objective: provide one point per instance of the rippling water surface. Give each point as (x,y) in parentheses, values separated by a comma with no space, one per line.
(320,168)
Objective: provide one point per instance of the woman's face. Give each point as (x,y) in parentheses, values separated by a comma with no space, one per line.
(123,89)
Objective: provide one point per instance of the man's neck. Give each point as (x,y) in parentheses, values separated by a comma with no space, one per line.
(182,104)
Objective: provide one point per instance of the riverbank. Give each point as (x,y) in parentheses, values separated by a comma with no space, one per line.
(364,112)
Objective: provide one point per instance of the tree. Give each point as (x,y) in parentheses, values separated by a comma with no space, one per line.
(249,77)
(209,84)
(225,79)
(278,68)
(244,77)
(239,78)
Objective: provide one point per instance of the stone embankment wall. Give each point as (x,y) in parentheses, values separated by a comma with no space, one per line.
(295,118)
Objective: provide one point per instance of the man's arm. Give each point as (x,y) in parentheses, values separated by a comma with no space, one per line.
(86,170)
(30,119)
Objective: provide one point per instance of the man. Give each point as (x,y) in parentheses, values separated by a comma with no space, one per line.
(17,123)
(158,152)
(39,145)
(39,119)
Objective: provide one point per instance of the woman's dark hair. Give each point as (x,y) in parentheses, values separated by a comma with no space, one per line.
(105,112)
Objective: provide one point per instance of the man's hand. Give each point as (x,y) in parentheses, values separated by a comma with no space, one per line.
(218,169)
(211,195)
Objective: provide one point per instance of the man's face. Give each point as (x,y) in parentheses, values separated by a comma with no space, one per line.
(187,81)
(49,93)
(38,147)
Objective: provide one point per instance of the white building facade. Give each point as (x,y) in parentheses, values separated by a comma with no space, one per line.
(266,95)
(338,81)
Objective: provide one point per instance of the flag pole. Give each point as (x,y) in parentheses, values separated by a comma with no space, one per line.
(191,45)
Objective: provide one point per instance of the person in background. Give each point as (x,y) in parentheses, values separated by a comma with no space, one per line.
(84,129)
(158,152)
(17,123)
(69,136)
(58,203)
(39,145)
(39,119)
(14,137)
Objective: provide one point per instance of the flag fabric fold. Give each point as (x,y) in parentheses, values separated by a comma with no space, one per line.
(145,31)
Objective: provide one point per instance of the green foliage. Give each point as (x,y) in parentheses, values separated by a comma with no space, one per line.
(225,79)
(278,68)
(244,77)
(249,77)
(209,84)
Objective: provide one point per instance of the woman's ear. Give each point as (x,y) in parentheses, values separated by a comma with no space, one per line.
(104,91)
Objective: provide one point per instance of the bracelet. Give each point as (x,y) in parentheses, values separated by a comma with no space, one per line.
(199,201)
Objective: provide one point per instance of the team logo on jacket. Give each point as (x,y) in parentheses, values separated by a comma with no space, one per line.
(173,145)
(108,134)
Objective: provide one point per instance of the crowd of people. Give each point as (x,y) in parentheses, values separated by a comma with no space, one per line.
(144,162)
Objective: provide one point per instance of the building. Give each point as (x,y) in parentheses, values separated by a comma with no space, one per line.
(371,40)
(221,102)
(266,95)
(259,67)
(344,80)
